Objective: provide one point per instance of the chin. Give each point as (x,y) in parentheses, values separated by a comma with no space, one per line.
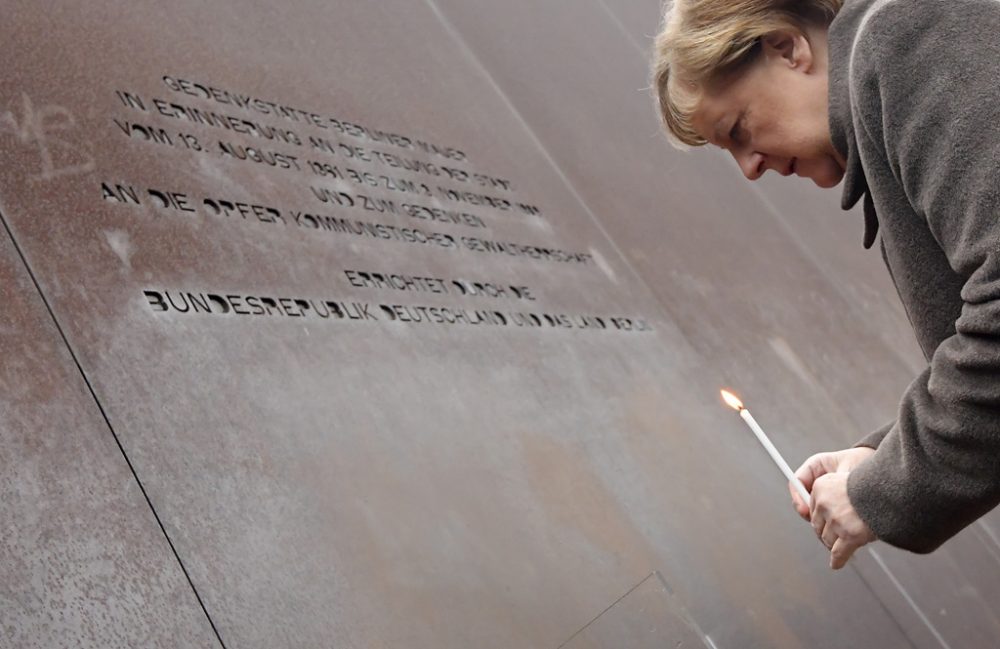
(827,174)
(826,182)
(827,178)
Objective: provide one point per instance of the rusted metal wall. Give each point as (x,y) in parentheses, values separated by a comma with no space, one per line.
(539,461)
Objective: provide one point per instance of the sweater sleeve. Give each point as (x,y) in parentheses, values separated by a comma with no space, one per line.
(931,71)
(872,440)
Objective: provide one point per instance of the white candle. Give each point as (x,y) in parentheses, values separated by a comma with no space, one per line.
(735,403)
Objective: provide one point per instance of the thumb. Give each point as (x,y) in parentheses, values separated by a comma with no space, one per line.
(800,506)
(815,467)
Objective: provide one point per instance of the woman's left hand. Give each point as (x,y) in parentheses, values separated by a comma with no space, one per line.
(836,523)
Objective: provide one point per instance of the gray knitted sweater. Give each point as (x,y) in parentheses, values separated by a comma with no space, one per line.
(915,110)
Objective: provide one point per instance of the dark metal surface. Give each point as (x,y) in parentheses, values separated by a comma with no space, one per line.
(648,616)
(377,483)
(770,282)
(83,562)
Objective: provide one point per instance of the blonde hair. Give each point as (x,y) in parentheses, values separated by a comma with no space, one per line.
(702,41)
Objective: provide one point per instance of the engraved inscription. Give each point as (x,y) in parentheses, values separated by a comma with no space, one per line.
(364,183)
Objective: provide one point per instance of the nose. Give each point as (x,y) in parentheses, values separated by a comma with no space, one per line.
(751,163)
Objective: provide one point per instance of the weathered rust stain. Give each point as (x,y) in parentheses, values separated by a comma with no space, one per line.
(572,494)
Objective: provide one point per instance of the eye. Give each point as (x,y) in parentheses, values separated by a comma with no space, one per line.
(736,131)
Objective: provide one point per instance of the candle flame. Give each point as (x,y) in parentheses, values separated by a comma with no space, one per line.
(731,400)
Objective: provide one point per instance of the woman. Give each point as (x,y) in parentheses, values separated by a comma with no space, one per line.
(900,101)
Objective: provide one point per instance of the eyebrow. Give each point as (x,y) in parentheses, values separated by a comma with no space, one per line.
(718,131)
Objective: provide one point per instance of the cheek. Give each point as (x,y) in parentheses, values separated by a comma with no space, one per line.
(785,140)
(793,138)
(807,145)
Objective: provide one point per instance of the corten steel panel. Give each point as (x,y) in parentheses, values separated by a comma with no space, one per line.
(83,562)
(382,484)
(332,482)
(734,280)
(771,284)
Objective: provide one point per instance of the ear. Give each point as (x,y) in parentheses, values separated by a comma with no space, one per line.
(789,48)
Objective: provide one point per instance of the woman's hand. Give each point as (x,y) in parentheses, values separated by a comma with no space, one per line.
(833,517)
(821,464)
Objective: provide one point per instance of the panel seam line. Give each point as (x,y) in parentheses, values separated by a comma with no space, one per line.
(107,421)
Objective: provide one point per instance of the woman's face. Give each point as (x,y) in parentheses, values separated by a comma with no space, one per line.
(773,114)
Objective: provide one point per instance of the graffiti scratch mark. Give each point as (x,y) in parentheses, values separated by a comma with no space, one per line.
(43,128)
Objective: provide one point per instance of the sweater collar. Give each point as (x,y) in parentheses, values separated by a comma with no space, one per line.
(841,41)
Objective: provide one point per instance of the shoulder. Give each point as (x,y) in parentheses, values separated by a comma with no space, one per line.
(902,34)
(925,94)
(910,56)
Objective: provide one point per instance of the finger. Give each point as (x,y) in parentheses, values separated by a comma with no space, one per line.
(828,536)
(800,506)
(818,523)
(841,553)
(810,470)
(816,495)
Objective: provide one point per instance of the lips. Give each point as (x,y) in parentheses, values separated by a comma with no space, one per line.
(790,169)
